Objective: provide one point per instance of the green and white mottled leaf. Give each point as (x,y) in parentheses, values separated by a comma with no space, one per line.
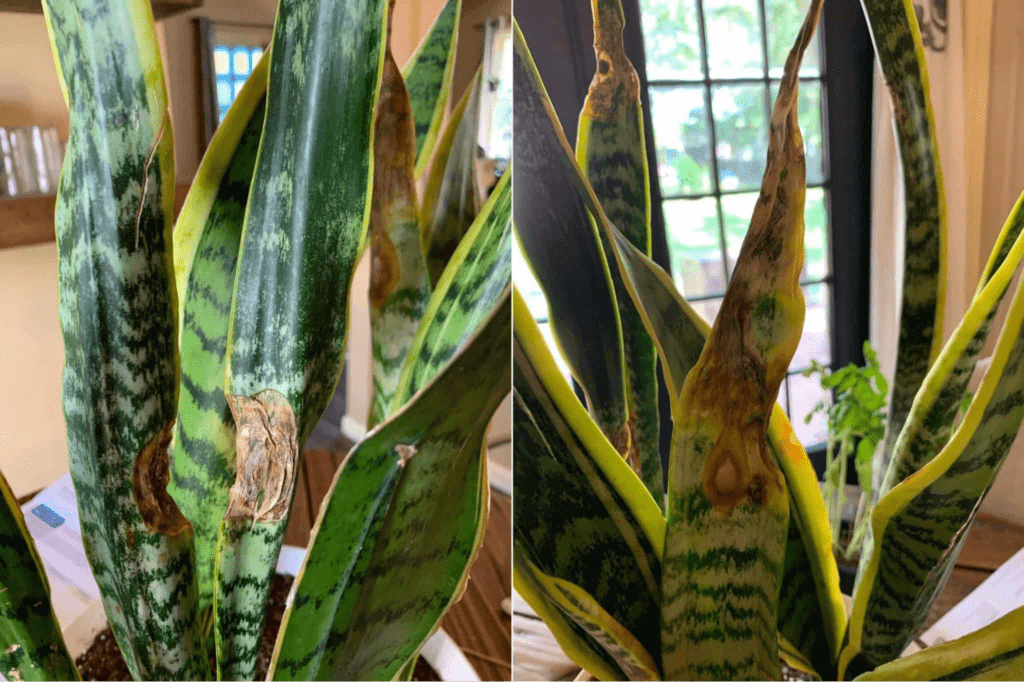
(900,52)
(728,500)
(31,645)
(611,152)
(455,205)
(564,251)
(392,547)
(995,652)
(206,240)
(428,76)
(304,228)
(476,279)
(399,284)
(119,318)
(920,525)
(581,514)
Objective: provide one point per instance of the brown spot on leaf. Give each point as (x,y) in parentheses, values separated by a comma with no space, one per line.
(149,482)
(267,453)
(616,84)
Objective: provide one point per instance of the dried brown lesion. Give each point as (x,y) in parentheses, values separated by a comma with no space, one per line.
(150,476)
(394,188)
(267,457)
(615,83)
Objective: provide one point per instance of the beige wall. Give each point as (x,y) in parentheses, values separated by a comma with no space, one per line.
(29,87)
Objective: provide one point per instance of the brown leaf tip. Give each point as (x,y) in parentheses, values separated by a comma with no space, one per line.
(267,456)
(158,509)
(405,452)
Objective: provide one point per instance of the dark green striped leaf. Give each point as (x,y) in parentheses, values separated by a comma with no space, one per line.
(206,240)
(31,645)
(392,547)
(919,527)
(610,150)
(564,251)
(304,229)
(119,321)
(428,75)
(581,514)
(900,53)
(476,279)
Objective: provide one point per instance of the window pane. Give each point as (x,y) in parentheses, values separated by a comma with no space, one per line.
(682,138)
(223,93)
(741,132)
(810,128)
(737,210)
(708,309)
(814,343)
(236,87)
(671,39)
(784,18)
(804,394)
(256,54)
(815,235)
(221,61)
(240,56)
(734,38)
(694,246)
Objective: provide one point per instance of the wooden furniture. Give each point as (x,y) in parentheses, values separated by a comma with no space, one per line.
(161,8)
(29,220)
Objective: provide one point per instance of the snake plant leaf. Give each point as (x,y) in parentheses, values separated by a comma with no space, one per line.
(581,513)
(476,279)
(119,318)
(930,422)
(919,527)
(399,284)
(611,152)
(579,646)
(900,52)
(455,205)
(304,228)
(630,656)
(794,658)
(564,251)
(391,549)
(728,503)
(206,240)
(428,77)
(31,644)
(995,652)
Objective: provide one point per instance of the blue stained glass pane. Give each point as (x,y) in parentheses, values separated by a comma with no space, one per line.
(224,95)
(240,61)
(236,87)
(221,61)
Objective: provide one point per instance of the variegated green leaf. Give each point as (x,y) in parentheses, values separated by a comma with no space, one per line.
(399,284)
(564,251)
(392,546)
(610,150)
(455,205)
(919,527)
(206,239)
(995,652)
(728,503)
(304,228)
(581,514)
(930,422)
(475,280)
(119,321)
(900,52)
(445,143)
(428,75)
(31,645)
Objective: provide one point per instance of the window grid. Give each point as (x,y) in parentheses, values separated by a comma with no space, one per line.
(233,64)
(810,435)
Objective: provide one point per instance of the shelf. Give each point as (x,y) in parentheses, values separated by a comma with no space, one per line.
(161,8)
(29,220)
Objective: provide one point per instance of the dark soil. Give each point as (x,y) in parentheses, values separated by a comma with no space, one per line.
(103,660)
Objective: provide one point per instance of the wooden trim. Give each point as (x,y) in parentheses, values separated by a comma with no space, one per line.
(206,85)
(29,220)
(161,8)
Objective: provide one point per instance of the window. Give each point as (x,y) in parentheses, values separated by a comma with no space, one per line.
(232,64)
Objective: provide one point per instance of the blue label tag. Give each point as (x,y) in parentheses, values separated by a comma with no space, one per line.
(50,517)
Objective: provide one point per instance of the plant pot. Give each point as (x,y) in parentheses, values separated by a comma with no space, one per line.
(440,650)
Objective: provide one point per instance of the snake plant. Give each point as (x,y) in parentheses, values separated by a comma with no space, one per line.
(199,356)
(729,569)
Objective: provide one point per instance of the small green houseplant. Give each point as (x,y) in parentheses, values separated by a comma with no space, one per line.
(199,358)
(732,567)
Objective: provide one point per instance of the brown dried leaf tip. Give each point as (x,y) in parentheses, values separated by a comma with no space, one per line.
(158,509)
(267,457)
